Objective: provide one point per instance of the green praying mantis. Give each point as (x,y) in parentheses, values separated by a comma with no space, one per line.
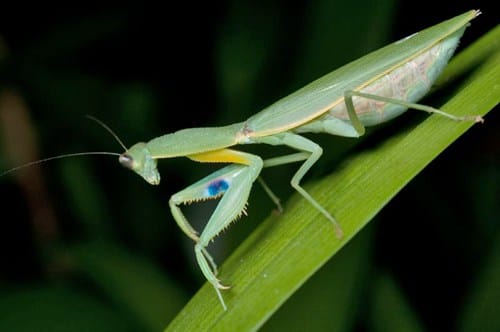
(371,90)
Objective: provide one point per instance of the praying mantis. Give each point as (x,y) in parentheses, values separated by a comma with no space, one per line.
(366,92)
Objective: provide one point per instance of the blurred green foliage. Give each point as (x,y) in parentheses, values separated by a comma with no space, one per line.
(108,255)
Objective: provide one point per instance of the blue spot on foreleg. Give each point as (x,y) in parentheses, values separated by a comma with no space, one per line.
(217,187)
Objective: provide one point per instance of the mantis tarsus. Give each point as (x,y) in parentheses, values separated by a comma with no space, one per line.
(365,92)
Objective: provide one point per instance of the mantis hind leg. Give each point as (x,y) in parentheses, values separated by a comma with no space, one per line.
(348,95)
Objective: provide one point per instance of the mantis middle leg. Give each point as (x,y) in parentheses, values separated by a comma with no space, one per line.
(311,152)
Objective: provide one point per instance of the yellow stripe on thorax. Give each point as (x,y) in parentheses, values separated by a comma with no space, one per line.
(220,156)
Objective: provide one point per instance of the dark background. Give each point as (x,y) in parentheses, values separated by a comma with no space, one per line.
(72,227)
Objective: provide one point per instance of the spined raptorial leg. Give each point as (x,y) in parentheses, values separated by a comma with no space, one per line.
(233,183)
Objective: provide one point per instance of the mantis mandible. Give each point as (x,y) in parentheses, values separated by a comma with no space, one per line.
(371,90)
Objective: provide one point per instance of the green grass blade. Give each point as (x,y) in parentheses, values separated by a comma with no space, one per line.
(334,298)
(286,250)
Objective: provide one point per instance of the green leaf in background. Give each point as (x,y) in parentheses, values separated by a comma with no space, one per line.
(390,311)
(133,283)
(59,308)
(480,310)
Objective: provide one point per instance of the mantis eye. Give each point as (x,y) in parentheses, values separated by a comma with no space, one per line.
(127,161)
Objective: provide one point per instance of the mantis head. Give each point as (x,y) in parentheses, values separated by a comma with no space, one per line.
(138,159)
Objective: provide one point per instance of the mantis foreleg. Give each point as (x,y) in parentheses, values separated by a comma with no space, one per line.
(233,183)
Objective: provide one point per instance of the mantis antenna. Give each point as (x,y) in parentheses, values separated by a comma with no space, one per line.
(105,126)
(68,155)
(77,154)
